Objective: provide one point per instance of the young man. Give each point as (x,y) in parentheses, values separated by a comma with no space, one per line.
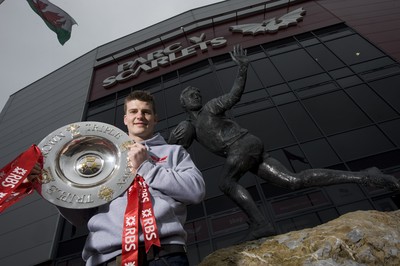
(173,180)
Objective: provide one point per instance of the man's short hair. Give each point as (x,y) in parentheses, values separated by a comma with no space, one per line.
(140,95)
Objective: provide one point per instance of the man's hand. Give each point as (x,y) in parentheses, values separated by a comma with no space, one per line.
(239,55)
(34,174)
(136,156)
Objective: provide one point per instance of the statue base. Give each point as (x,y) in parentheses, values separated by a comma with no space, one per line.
(356,238)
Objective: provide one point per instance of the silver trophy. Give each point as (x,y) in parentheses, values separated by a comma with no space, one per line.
(85,165)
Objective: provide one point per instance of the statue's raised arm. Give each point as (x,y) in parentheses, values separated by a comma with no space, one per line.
(239,56)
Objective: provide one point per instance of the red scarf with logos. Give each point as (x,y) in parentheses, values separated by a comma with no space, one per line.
(139,208)
(12,177)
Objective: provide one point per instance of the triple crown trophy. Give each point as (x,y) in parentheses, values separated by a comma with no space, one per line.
(85,165)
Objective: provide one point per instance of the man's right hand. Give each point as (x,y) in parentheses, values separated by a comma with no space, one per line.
(136,156)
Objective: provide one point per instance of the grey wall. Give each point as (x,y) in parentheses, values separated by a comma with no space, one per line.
(28,228)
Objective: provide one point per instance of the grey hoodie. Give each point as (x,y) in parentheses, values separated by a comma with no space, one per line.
(174,182)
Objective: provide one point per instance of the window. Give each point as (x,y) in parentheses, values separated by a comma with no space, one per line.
(266,72)
(253,101)
(324,57)
(119,118)
(252,82)
(296,158)
(389,89)
(320,154)
(296,64)
(392,129)
(371,103)
(194,70)
(161,109)
(335,112)
(278,89)
(353,49)
(274,133)
(299,121)
(281,46)
(359,143)
(107,116)
(225,78)
(371,65)
(316,89)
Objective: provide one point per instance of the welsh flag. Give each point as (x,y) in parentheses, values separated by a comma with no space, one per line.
(55,18)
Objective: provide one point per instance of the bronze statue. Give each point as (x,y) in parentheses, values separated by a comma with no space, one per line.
(245,152)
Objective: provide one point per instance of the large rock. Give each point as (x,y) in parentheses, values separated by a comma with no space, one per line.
(357,238)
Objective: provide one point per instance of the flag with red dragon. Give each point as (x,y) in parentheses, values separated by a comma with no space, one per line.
(55,18)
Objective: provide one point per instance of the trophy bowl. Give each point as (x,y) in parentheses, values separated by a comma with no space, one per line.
(85,165)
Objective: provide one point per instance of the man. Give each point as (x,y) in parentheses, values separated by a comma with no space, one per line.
(244,152)
(173,180)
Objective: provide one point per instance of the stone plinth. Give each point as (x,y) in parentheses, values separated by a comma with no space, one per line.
(356,238)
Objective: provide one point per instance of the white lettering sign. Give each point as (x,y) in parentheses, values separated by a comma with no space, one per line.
(162,58)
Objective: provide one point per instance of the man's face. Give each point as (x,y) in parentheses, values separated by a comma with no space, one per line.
(140,120)
(192,99)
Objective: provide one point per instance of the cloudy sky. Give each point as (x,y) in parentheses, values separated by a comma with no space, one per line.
(29,50)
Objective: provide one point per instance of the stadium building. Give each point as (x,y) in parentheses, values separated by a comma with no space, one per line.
(322,91)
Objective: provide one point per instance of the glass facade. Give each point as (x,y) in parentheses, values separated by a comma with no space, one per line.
(324,99)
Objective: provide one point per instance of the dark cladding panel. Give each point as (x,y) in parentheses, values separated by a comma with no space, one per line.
(196,231)
(358,50)
(372,104)
(379,21)
(30,244)
(296,64)
(392,129)
(266,72)
(49,103)
(273,137)
(320,153)
(299,121)
(324,57)
(335,112)
(389,90)
(361,142)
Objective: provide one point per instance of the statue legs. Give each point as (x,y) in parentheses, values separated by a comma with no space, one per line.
(245,155)
(236,165)
(274,172)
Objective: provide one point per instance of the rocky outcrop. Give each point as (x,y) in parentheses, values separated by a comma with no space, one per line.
(356,238)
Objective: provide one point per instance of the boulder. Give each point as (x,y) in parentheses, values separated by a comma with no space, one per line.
(356,238)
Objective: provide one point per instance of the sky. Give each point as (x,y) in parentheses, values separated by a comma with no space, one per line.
(29,50)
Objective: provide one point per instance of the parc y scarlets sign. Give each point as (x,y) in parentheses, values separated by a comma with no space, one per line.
(108,77)
(163,57)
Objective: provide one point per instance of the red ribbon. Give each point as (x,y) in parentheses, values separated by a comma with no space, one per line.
(139,207)
(12,176)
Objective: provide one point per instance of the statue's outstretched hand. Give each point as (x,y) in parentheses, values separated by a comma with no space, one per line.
(239,55)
